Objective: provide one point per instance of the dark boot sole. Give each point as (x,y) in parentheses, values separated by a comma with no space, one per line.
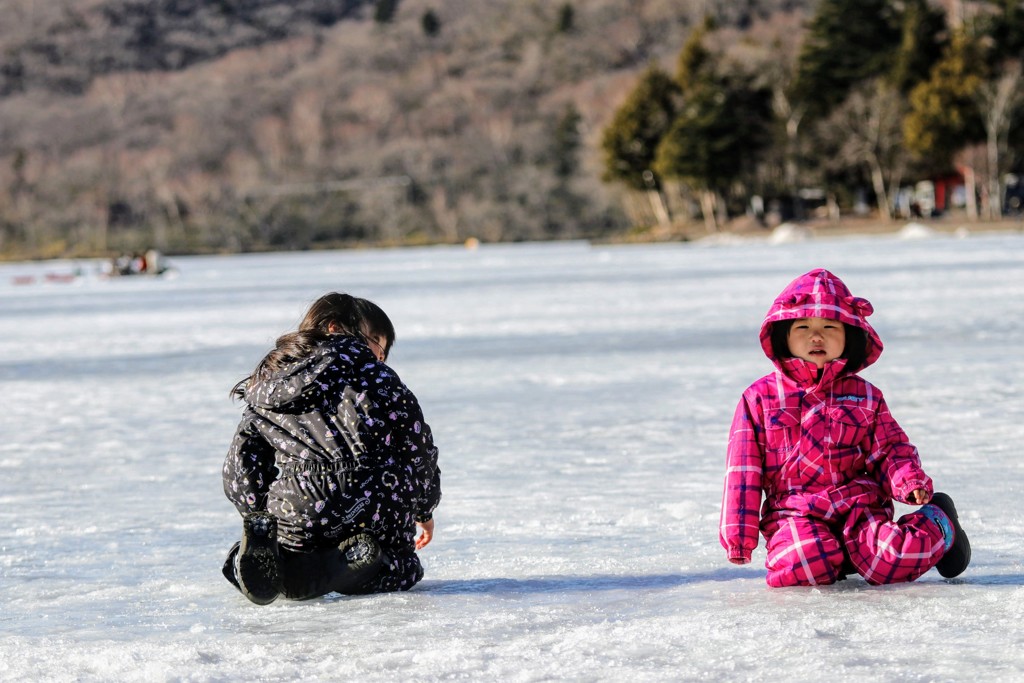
(259,562)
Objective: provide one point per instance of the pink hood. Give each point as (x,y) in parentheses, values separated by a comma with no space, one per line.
(820,294)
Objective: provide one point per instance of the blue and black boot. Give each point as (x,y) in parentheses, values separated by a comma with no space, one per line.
(958,549)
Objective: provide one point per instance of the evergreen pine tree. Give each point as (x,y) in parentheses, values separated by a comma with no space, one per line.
(722,125)
(923,29)
(695,60)
(631,140)
(943,116)
(848,42)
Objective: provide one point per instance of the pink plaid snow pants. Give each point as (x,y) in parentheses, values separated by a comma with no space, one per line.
(806,551)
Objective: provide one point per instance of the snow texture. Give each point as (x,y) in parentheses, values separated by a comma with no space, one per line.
(580,397)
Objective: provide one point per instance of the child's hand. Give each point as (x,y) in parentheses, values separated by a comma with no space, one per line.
(739,560)
(426,533)
(919,496)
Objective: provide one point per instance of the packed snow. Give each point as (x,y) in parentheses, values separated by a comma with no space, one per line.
(580,396)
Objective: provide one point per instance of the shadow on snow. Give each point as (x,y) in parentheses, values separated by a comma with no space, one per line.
(563,584)
(569,584)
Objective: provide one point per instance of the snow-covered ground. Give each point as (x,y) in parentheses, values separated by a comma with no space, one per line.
(581,397)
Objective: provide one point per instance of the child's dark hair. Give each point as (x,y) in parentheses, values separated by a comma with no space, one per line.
(855,352)
(346,314)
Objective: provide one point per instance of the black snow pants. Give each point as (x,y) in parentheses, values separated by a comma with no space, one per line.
(320,507)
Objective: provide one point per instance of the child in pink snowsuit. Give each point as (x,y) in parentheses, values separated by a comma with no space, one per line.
(819,442)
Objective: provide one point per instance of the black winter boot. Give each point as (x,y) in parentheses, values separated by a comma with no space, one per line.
(229,566)
(342,569)
(846,569)
(958,555)
(258,563)
(364,560)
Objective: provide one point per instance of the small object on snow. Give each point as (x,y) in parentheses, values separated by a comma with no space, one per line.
(916,231)
(790,232)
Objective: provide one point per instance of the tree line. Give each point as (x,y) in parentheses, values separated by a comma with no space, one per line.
(878,93)
(227,126)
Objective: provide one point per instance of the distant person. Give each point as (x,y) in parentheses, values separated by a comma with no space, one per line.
(123,265)
(819,443)
(332,467)
(153,262)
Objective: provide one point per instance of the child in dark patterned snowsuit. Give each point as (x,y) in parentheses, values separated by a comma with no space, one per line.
(332,466)
(819,443)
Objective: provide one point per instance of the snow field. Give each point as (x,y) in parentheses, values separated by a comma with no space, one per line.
(580,396)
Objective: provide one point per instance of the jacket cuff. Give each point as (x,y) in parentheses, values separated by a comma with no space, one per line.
(910,486)
(426,517)
(740,554)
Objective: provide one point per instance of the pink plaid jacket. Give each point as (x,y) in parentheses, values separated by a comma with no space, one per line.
(813,447)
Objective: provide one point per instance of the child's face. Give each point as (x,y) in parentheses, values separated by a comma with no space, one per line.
(818,340)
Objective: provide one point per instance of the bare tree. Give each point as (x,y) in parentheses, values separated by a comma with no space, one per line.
(868,129)
(307,127)
(999,101)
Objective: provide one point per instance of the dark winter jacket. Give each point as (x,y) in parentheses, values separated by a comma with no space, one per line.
(333,445)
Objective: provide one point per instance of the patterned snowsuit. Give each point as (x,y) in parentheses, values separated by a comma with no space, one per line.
(334,445)
(828,457)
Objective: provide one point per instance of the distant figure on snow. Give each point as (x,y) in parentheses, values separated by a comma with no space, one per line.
(332,467)
(819,442)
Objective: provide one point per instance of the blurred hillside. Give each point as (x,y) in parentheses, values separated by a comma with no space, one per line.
(249,124)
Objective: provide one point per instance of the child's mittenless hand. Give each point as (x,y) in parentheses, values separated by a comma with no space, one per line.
(919,496)
(426,533)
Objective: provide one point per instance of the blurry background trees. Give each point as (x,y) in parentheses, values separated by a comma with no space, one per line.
(860,98)
(228,126)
